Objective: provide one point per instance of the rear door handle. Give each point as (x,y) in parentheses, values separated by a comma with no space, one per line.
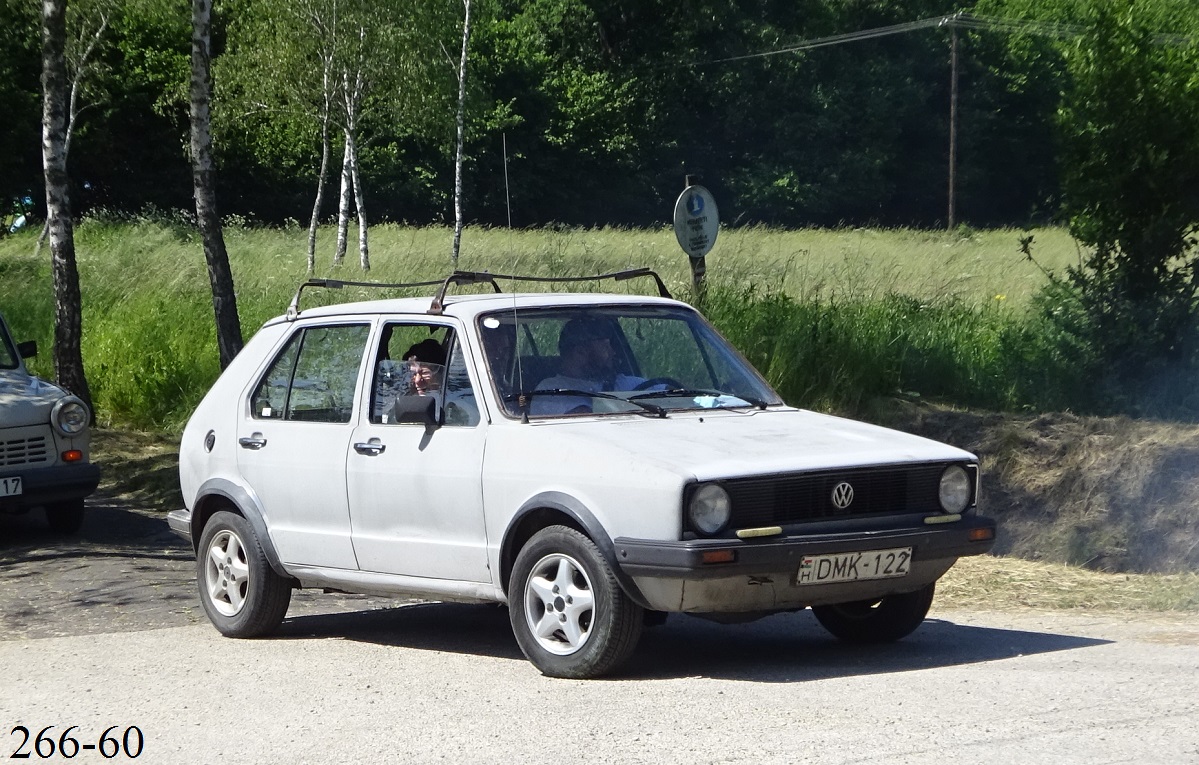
(372,448)
(254,442)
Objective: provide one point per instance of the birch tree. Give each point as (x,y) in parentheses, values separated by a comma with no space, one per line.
(360,70)
(354,81)
(220,277)
(461,123)
(86,24)
(68,322)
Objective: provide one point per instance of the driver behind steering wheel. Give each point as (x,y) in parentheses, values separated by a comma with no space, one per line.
(588,364)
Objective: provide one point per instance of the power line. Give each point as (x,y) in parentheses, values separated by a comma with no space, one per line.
(960,19)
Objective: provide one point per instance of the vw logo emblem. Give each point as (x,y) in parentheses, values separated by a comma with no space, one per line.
(842,495)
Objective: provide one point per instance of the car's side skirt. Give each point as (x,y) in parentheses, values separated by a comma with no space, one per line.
(395,585)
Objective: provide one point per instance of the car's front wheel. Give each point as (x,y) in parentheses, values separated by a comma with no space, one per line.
(65,517)
(569,614)
(881,620)
(241,594)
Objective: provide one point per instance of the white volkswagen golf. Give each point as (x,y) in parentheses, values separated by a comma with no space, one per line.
(592,460)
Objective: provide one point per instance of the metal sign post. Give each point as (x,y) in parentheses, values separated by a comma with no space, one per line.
(696,223)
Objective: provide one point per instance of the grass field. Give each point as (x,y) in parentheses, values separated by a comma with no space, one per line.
(899,311)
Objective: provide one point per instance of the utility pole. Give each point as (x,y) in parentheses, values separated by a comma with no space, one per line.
(953,123)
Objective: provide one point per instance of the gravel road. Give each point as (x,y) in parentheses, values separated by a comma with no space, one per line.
(105,631)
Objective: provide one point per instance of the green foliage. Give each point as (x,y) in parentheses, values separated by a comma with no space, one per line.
(1130,174)
(20,94)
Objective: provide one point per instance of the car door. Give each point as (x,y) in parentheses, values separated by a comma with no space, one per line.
(293,438)
(416,501)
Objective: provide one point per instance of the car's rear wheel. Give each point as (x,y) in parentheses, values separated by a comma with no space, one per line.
(569,614)
(881,620)
(241,594)
(65,517)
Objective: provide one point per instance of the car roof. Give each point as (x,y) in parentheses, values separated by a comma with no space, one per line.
(467,307)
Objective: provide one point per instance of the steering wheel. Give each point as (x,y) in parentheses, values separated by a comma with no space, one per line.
(669,382)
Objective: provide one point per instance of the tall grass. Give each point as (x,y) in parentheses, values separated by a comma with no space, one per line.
(833,317)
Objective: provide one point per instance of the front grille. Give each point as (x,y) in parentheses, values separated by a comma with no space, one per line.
(782,499)
(23,451)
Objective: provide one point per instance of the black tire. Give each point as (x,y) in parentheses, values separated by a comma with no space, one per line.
(884,620)
(242,596)
(65,517)
(594,640)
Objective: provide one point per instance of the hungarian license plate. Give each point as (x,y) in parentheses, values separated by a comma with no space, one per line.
(11,486)
(854,566)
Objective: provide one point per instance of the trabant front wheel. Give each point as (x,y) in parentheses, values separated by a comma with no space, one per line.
(568,612)
(241,594)
(882,620)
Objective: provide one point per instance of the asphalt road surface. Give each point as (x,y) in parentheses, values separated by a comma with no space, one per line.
(105,631)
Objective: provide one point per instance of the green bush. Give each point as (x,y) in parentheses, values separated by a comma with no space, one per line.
(842,354)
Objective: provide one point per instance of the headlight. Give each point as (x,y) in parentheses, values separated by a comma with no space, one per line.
(710,509)
(955,489)
(70,416)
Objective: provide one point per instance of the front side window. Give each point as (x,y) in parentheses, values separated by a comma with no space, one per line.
(422,360)
(614,359)
(314,377)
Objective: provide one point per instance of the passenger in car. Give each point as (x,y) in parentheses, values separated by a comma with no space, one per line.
(427,359)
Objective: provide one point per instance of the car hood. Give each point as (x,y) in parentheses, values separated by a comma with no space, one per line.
(26,400)
(719,444)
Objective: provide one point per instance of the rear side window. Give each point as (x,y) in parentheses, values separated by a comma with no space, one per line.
(314,377)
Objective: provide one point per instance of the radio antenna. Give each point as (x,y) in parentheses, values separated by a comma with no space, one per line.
(507,193)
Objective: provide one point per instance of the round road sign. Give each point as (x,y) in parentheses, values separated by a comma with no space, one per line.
(696,221)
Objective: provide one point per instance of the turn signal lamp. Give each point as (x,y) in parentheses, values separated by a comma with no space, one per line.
(72,455)
(981,535)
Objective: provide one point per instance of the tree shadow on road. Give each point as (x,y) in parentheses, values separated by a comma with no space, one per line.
(111,528)
(784,648)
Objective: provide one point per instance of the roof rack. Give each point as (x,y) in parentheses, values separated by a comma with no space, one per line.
(460,278)
(293,309)
(486,277)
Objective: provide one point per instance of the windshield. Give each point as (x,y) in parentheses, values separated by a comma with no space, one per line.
(552,362)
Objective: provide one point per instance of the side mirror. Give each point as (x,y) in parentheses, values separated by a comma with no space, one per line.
(416,410)
(27,349)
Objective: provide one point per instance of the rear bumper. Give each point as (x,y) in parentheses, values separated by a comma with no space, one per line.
(180,522)
(685,559)
(47,485)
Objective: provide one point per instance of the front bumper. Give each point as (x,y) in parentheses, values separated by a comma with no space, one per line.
(651,557)
(47,485)
(762,573)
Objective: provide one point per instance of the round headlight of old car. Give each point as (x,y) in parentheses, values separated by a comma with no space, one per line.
(710,509)
(70,416)
(955,489)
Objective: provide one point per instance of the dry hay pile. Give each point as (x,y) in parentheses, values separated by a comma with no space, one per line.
(1110,494)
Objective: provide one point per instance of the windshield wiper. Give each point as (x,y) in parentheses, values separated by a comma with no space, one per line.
(648,410)
(693,392)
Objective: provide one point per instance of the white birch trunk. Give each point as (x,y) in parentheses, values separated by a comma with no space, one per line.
(343,209)
(322,177)
(68,312)
(220,276)
(73,108)
(461,137)
(364,257)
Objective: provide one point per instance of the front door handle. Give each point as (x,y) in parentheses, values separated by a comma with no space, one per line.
(255,442)
(372,448)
